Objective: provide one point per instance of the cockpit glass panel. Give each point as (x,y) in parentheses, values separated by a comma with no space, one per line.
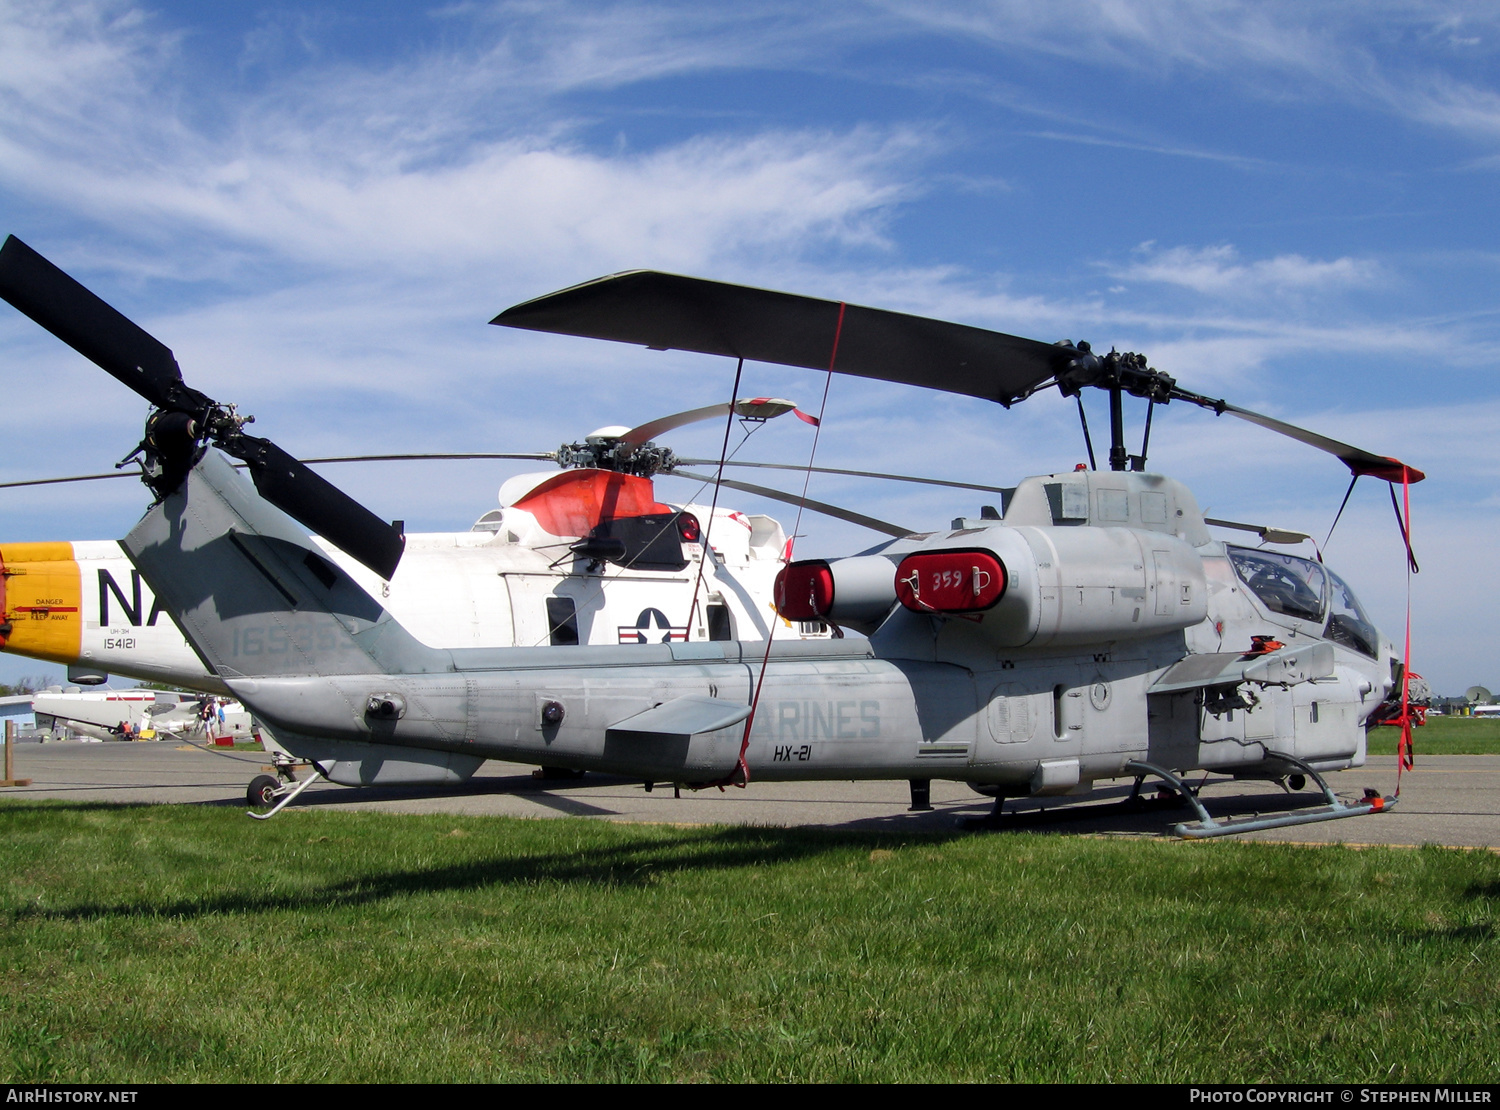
(1285,584)
(1347,623)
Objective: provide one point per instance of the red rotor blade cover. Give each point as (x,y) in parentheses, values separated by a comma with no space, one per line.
(804,590)
(950,581)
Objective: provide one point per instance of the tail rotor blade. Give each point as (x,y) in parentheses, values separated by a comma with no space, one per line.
(319,505)
(86,323)
(100,333)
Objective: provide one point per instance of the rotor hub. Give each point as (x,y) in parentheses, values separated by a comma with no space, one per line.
(600,452)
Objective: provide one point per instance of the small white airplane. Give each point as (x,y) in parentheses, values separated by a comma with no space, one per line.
(104,714)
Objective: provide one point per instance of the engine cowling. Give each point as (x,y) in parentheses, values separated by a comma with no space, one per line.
(1035,586)
(857,592)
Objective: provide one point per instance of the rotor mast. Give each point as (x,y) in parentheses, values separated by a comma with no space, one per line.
(1117,373)
(1118,458)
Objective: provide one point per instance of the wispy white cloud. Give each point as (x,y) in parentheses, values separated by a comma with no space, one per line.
(1394,57)
(337,175)
(1149,148)
(567,44)
(1218,270)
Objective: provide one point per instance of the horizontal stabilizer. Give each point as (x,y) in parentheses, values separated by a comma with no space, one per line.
(681,719)
(1286,667)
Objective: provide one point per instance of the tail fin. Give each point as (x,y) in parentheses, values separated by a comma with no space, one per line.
(253,594)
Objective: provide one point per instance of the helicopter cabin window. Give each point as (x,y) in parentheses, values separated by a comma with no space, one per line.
(1347,623)
(1069,502)
(719,627)
(1153,508)
(1114,505)
(1285,584)
(562,621)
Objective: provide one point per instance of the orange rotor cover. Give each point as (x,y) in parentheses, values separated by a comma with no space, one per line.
(576,502)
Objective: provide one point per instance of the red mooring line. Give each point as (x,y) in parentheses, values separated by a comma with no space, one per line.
(1404,751)
(741,773)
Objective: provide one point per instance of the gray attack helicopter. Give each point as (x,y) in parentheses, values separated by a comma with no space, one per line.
(1088,629)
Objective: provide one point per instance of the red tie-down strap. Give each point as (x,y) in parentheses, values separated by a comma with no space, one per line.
(741,773)
(1405,749)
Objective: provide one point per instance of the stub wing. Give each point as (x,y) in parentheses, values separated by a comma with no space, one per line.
(1286,667)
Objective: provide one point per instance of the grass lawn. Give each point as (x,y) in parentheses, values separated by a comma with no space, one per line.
(188,943)
(1443,736)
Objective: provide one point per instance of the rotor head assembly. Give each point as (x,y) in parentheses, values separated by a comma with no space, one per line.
(185,422)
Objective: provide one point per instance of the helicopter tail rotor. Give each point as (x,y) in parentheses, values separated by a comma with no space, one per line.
(186,421)
(96,330)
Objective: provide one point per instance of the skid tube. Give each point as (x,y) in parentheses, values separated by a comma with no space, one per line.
(1206,826)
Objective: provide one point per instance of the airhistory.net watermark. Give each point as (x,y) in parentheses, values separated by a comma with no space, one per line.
(53,1094)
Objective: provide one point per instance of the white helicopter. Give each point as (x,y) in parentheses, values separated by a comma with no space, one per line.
(582,555)
(1093,631)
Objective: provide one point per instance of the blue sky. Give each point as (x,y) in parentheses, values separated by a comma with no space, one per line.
(318,207)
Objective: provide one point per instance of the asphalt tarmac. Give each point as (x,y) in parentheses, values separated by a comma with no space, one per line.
(1448,800)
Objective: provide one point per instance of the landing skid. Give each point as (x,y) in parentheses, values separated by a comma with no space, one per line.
(1206,826)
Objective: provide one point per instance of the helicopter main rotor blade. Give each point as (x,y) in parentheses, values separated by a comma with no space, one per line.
(823,507)
(542,457)
(1359,461)
(1266,532)
(75,478)
(850,473)
(664,311)
(759,408)
(97,331)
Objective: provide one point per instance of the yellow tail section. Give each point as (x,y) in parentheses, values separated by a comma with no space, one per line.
(41,594)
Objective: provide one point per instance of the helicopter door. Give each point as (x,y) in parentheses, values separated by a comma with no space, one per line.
(551,611)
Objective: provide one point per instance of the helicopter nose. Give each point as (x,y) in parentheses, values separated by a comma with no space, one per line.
(40,601)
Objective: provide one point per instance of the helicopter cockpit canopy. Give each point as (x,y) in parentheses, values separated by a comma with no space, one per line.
(1285,584)
(1347,623)
(1306,591)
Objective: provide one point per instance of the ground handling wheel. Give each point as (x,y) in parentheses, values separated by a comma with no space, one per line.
(262,790)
